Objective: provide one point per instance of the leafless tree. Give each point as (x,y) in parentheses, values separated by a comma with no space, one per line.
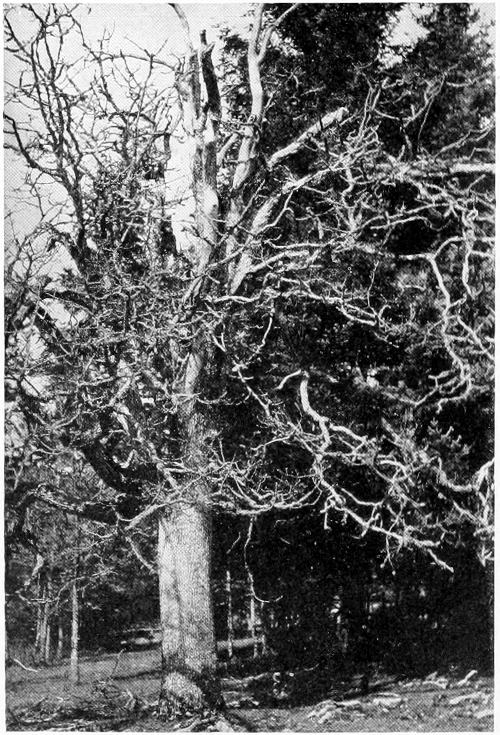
(178,294)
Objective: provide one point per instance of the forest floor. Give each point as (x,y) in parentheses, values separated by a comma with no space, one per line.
(119,694)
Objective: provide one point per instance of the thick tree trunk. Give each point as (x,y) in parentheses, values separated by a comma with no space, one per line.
(74,665)
(188,645)
(189,681)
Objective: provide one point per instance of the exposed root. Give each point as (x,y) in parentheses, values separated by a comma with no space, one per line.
(23,666)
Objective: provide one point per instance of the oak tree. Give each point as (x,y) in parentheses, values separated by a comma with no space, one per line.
(269,304)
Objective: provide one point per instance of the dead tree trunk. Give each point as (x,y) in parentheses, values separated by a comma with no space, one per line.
(189,658)
(184,544)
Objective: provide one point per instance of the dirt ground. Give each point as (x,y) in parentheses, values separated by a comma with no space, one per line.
(120,695)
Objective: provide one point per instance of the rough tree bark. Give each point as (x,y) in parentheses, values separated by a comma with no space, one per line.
(188,644)
(184,548)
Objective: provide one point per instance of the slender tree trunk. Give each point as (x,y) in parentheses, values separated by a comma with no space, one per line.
(60,639)
(47,645)
(252,625)
(38,631)
(44,623)
(46,641)
(229,602)
(263,634)
(43,633)
(74,666)
(39,617)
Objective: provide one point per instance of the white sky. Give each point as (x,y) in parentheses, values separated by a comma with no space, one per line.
(154,22)
(151,25)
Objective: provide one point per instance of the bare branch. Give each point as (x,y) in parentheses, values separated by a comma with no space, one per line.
(326,122)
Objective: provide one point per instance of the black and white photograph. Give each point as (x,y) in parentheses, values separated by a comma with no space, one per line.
(249,301)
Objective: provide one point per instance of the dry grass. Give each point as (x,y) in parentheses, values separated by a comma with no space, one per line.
(138,670)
